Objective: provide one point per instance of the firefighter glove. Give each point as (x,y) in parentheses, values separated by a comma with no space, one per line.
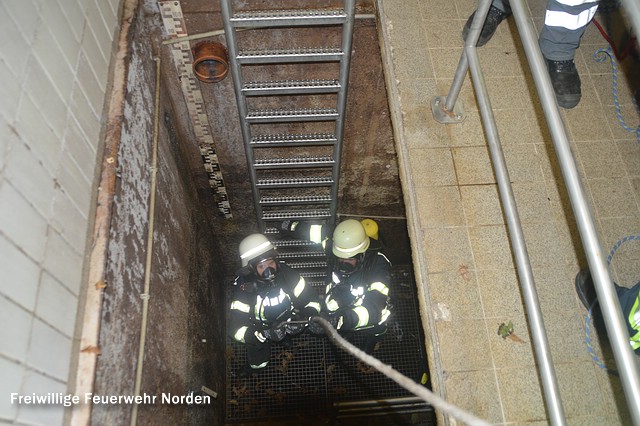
(275,334)
(293,328)
(342,295)
(316,328)
(288,227)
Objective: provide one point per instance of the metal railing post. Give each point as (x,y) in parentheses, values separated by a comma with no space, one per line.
(463,65)
(448,110)
(615,323)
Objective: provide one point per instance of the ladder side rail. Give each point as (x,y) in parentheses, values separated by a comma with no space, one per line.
(236,74)
(345,66)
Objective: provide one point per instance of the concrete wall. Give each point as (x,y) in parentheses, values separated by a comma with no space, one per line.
(54,65)
(183,336)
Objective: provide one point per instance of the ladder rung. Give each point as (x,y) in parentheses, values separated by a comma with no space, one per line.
(287,18)
(290,87)
(306,214)
(302,54)
(288,243)
(286,115)
(300,254)
(292,162)
(294,182)
(317,274)
(295,200)
(304,265)
(260,141)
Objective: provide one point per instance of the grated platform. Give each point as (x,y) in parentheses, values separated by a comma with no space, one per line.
(309,381)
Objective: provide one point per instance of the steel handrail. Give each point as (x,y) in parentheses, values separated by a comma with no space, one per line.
(614,321)
(516,235)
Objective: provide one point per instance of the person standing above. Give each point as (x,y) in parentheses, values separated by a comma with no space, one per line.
(270,302)
(564,24)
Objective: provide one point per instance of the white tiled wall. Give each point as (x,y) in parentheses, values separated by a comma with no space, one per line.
(54,60)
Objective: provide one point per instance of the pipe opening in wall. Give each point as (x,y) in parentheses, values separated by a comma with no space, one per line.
(210,61)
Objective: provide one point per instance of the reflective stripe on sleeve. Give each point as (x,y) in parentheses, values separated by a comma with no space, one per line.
(239,335)
(332,305)
(363,316)
(385,315)
(260,337)
(299,287)
(239,306)
(571,22)
(314,305)
(315,234)
(379,286)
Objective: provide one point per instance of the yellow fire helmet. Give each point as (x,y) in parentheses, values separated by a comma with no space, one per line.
(371,228)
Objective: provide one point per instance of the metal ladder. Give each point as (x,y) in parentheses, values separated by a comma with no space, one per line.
(292,125)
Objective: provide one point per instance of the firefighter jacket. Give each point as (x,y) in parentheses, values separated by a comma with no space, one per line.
(361,299)
(257,306)
(633,317)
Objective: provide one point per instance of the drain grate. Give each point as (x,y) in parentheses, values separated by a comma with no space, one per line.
(306,380)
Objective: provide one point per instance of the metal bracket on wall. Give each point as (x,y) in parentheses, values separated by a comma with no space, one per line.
(174,24)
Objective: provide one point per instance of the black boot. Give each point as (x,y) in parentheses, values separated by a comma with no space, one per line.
(565,81)
(585,289)
(494,17)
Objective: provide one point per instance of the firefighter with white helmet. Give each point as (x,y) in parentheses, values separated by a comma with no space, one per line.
(357,294)
(270,303)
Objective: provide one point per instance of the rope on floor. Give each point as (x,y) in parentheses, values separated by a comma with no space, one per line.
(601,55)
(413,387)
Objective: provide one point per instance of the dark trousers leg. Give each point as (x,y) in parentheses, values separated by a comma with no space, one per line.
(560,36)
(258,355)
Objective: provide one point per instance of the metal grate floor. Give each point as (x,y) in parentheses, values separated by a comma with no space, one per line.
(304,381)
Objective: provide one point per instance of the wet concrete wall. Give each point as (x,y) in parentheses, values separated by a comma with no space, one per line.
(183,327)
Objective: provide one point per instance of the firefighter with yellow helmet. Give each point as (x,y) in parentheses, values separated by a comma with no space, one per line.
(270,302)
(357,293)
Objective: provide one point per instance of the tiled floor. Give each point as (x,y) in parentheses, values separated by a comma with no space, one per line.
(462,255)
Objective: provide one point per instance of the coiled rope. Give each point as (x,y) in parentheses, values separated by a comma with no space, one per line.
(601,55)
(399,378)
(588,321)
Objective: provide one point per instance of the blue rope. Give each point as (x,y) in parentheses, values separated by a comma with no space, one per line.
(600,55)
(587,326)
(618,244)
(592,352)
